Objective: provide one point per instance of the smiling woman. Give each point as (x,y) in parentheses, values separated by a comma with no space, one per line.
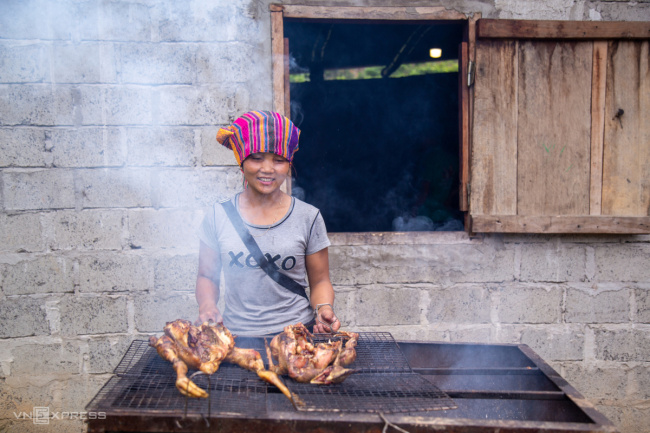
(262,232)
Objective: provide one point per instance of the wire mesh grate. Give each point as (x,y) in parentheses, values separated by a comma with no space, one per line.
(158,393)
(376,352)
(373,392)
(383,382)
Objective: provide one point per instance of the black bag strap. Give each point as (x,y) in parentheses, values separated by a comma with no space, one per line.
(270,269)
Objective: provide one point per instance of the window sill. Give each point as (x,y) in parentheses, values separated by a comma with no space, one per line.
(402,238)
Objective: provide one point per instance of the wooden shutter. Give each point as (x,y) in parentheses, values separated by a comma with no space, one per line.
(561,127)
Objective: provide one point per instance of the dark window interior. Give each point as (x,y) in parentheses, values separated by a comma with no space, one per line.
(376,154)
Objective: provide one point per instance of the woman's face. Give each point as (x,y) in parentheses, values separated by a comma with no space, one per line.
(265,172)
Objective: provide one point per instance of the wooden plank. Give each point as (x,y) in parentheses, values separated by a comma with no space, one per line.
(287,102)
(554,125)
(560,224)
(372,13)
(493,186)
(277,52)
(626,160)
(287,84)
(598,81)
(534,29)
(463,125)
(471,40)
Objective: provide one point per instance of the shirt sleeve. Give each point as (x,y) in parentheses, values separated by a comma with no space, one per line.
(207,231)
(318,239)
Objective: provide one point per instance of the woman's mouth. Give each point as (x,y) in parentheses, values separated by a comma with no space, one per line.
(265,179)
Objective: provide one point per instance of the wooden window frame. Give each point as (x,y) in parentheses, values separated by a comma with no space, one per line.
(280,66)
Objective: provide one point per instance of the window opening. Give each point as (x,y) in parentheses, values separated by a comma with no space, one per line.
(379,122)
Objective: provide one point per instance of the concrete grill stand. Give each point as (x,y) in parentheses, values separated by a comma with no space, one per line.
(418,386)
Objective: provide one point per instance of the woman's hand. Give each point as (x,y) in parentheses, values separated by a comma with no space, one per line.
(331,322)
(207,312)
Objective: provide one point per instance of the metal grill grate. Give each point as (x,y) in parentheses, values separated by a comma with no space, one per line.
(232,392)
(384,382)
(370,392)
(376,352)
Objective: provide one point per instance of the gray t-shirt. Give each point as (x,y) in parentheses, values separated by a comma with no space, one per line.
(254,303)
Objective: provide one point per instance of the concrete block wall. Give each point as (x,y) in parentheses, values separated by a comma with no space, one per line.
(108,113)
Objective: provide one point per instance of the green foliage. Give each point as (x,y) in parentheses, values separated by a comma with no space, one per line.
(373,72)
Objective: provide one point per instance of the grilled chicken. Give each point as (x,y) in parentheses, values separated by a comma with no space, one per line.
(297,356)
(204,348)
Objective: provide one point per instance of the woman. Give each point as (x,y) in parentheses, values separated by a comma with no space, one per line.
(290,233)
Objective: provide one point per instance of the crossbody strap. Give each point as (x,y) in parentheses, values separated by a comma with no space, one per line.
(270,269)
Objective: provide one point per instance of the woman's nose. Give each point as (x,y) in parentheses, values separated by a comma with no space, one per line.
(267,164)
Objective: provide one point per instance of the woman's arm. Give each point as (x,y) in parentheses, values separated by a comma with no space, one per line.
(207,284)
(321,290)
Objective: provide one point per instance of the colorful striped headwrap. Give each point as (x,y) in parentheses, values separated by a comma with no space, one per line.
(260,131)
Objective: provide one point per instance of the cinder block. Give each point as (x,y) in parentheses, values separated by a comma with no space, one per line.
(87,147)
(176,273)
(552,263)
(23,62)
(20,396)
(78,391)
(88,229)
(550,10)
(218,184)
(212,152)
(196,105)
(555,343)
(194,189)
(164,229)
(115,105)
(160,147)
(36,104)
(22,147)
(21,233)
(536,304)
(41,189)
(198,23)
(620,10)
(24,20)
(87,315)
(388,305)
(44,359)
(458,304)
(171,63)
(640,376)
(642,297)
(597,383)
(472,334)
(344,305)
(105,353)
(622,262)
(437,264)
(45,274)
(153,311)
(23,317)
(633,417)
(106,188)
(176,188)
(116,272)
(77,62)
(597,306)
(622,345)
(218,63)
(126,21)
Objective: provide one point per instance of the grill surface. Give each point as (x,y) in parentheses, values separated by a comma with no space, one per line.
(496,388)
(384,382)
